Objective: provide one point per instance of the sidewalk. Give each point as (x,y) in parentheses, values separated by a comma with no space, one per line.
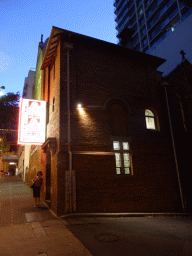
(29,231)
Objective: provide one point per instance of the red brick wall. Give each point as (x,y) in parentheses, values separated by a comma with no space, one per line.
(34,165)
(98,75)
(150,189)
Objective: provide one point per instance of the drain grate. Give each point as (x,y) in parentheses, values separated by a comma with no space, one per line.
(105,237)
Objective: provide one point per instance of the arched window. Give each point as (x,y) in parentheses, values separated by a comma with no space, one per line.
(150,119)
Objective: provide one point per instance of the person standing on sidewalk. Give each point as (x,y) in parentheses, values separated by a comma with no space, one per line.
(37,182)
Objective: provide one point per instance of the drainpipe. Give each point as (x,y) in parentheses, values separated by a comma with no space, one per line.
(69,47)
(173,143)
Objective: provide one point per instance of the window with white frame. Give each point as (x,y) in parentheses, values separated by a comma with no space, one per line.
(122,158)
(150,119)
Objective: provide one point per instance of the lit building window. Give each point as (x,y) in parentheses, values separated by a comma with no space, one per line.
(125,146)
(116,145)
(122,158)
(127,164)
(118,163)
(150,119)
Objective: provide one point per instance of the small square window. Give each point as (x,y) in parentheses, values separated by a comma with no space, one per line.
(118,170)
(125,146)
(116,145)
(127,171)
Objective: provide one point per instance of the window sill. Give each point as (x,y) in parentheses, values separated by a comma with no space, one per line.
(153,130)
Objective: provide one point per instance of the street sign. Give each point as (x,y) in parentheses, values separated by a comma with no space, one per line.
(32,122)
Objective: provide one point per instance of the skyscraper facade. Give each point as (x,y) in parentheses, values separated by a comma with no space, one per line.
(150,20)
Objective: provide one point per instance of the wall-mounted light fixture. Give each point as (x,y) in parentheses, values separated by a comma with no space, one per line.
(79,105)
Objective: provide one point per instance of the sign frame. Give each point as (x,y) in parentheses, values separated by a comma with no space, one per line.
(32,122)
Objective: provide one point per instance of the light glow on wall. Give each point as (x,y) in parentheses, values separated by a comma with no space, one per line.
(32,122)
(81,110)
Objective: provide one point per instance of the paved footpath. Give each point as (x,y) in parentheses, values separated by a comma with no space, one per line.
(29,231)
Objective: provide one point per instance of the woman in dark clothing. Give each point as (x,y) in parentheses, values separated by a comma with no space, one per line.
(37,182)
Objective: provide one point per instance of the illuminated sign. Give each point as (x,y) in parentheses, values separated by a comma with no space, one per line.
(31,122)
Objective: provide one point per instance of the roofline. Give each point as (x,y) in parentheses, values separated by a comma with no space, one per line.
(55,32)
(177,67)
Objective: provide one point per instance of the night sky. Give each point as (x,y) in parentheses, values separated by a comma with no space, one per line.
(23,22)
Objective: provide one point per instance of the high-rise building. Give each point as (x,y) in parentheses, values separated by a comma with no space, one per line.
(150,20)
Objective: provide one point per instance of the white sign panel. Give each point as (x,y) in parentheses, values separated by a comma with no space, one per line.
(32,122)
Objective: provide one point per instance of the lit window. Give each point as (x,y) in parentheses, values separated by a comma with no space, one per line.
(118,163)
(116,145)
(123,158)
(125,146)
(150,119)
(127,164)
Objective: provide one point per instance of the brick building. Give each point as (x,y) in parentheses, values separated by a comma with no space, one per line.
(114,152)
(179,92)
(35,150)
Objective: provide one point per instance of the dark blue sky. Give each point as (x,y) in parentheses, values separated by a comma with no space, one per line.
(23,22)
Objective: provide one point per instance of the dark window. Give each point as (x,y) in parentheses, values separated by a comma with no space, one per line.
(119,120)
(145,42)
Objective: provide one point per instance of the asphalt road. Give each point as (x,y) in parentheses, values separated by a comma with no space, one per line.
(138,236)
